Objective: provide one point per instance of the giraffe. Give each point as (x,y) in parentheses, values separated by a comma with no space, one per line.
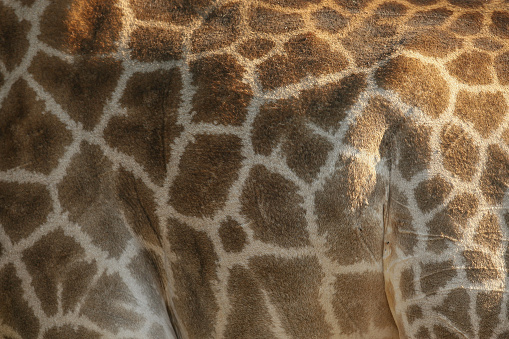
(254,169)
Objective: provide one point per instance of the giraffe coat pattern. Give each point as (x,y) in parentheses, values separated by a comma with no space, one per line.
(254,169)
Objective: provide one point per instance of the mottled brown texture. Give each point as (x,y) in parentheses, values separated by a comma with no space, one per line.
(139,207)
(472,68)
(149,128)
(500,24)
(249,317)
(360,301)
(501,65)
(456,308)
(221,96)
(495,177)
(354,6)
(87,194)
(233,236)
(207,168)
(23,208)
(151,44)
(15,310)
(81,87)
(415,149)
(488,307)
(219,29)
(413,313)
(479,266)
(418,84)
(431,193)
(444,332)
(57,261)
(407,283)
(304,54)
(488,233)
(70,332)
(469,3)
(505,136)
(488,44)
(467,24)
(13,41)
(109,304)
(274,22)
(485,110)
(30,137)
(329,20)
(180,12)
(423,333)
(435,276)
(255,48)
(432,17)
(448,224)
(292,3)
(194,273)
(433,43)
(293,288)
(93,26)
(459,153)
(400,220)
(273,206)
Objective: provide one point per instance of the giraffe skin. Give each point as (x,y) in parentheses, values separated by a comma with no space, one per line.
(254,169)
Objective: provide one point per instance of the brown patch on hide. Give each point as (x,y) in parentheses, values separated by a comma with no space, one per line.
(109,304)
(194,273)
(433,43)
(456,307)
(413,313)
(390,9)
(415,150)
(485,110)
(369,128)
(255,48)
(304,54)
(219,29)
(292,3)
(468,24)
(87,192)
(329,20)
(179,12)
(431,193)
(407,283)
(423,2)
(500,24)
(293,286)
(459,153)
(495,177)
(469,3)
(14,309)
(418,84)
(273,206)
(221,96)
(488,307)
(151,44)
(488,232)
(139,207)
(353,5)
(93,26)
(435,276)
(505,136)
(423,333)
(502,67)
(23,208)
(443,332)
(472,68)
(274,22)
(233,236)
(249,317)
(13,41)
(58,261)
(479,266)
(207,169)
(448,225)
(352,236)
(432,17)
(359,301)
(488,44)
(53,24)
(149,128)
(81,87)
(71,332)
(30,138)
(400,220)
